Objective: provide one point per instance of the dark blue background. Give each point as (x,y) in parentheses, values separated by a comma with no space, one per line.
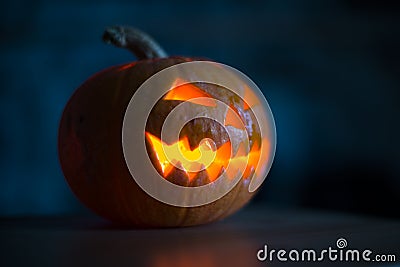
(329,69)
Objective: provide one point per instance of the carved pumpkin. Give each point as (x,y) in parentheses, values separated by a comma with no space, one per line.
(93,160)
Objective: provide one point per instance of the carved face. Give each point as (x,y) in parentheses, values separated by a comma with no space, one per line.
(204,149)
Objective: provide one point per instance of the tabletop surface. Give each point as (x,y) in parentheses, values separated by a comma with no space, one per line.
(235,241)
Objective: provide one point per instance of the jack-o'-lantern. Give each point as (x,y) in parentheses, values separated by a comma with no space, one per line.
(92,149)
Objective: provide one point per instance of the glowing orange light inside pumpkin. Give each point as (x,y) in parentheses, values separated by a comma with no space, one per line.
(206,156)
(189,92)
(232,119)
(251,99)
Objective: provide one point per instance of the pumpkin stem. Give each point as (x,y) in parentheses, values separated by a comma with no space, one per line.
(138,42)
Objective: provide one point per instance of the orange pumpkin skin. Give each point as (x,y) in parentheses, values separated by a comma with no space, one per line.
(91,154)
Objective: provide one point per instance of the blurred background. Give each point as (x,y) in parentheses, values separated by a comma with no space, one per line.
(329,69)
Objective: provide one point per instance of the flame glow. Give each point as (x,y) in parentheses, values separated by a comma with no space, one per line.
(250,98)
(205,156)
(189,92)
